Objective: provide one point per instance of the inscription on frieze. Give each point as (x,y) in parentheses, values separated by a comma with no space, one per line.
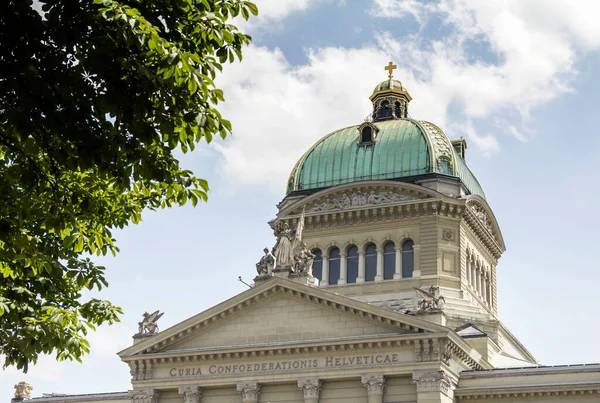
(283,365)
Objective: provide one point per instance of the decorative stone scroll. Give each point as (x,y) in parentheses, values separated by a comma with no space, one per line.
(191,394)
(144,396)
(481,214)
(311,388)
(432,381)
(250,392)
(360,198)
(375,384)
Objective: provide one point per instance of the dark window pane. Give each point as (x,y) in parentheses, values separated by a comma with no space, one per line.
(334,266)
(352,264)
(389,261)
(408,259)
(318,264)
(366,135)
(370,262)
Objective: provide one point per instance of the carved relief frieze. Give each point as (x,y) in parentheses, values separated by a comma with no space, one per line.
(433,381)
(359,198)
(480,213)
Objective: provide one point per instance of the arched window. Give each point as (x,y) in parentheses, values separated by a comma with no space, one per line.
(397,111)
(370,262)
(389,261)
(366,135)
(352,264)
(386,111)
(317,270)
(334,266)
(408,259)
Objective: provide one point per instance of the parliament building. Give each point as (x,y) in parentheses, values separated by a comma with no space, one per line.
(388,292)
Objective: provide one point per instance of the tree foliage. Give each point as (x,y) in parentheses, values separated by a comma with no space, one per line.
(95,97)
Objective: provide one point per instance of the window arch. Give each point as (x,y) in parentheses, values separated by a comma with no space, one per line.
(317,270)
(408,258)
(370,262)
(334,266)
(389,260)
(352,264)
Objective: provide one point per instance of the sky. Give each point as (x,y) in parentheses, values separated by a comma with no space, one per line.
(519,79)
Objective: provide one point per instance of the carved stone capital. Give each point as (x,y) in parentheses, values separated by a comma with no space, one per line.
(250,391)
(310,387)
(433,381)
(191,394)
(374,384)
(144,396)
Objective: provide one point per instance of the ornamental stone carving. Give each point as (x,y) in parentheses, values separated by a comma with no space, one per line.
(359,198)
(311,388)
(191,394)
(23,391)
(265,265)
(375,384)
(481,214)
(432,381)
(250,392)
(144,396)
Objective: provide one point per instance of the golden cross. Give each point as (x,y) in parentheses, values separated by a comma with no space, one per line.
(390,67)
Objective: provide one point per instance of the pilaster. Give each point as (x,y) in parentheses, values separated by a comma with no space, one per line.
(144,396)
(311,389)
(375,385)
(434,386)
(250,392)
(361,267)
(191,394)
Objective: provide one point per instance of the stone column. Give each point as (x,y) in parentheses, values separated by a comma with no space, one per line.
(433,386)
(485,287)
(191,394)
(478,281)
(144,396)
(417,260)
(311,388)
(490,292)
(379,275)
(250,392)
(343,268)
(398,267)
(375,385)
(473,275)
(361,267)
(325,280)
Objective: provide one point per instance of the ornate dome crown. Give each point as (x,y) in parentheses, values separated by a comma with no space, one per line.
(387,146)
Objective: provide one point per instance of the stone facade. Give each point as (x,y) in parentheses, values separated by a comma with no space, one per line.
(379,334)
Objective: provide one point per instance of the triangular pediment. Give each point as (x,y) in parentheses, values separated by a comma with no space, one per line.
(283,312)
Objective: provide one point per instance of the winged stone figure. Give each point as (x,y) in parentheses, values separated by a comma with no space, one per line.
(148,325)
(431,299)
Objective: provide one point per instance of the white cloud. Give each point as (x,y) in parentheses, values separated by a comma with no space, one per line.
(528,58)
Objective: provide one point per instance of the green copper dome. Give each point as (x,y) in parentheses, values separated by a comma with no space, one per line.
(385,85)
(399,148)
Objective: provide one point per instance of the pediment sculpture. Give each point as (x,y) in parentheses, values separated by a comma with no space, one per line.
(431,300)
(360,198)
(148,325)
(265,265)
(23,391)
(481,215)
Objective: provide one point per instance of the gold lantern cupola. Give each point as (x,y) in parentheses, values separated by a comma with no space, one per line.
(390,99)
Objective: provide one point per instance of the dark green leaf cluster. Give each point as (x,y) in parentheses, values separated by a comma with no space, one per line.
(95,97)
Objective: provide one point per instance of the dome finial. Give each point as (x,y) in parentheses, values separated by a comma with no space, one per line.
(390,68)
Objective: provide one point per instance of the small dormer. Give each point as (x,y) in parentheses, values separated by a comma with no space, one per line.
(367,133)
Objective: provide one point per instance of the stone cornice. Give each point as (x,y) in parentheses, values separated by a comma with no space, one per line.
(529,390)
